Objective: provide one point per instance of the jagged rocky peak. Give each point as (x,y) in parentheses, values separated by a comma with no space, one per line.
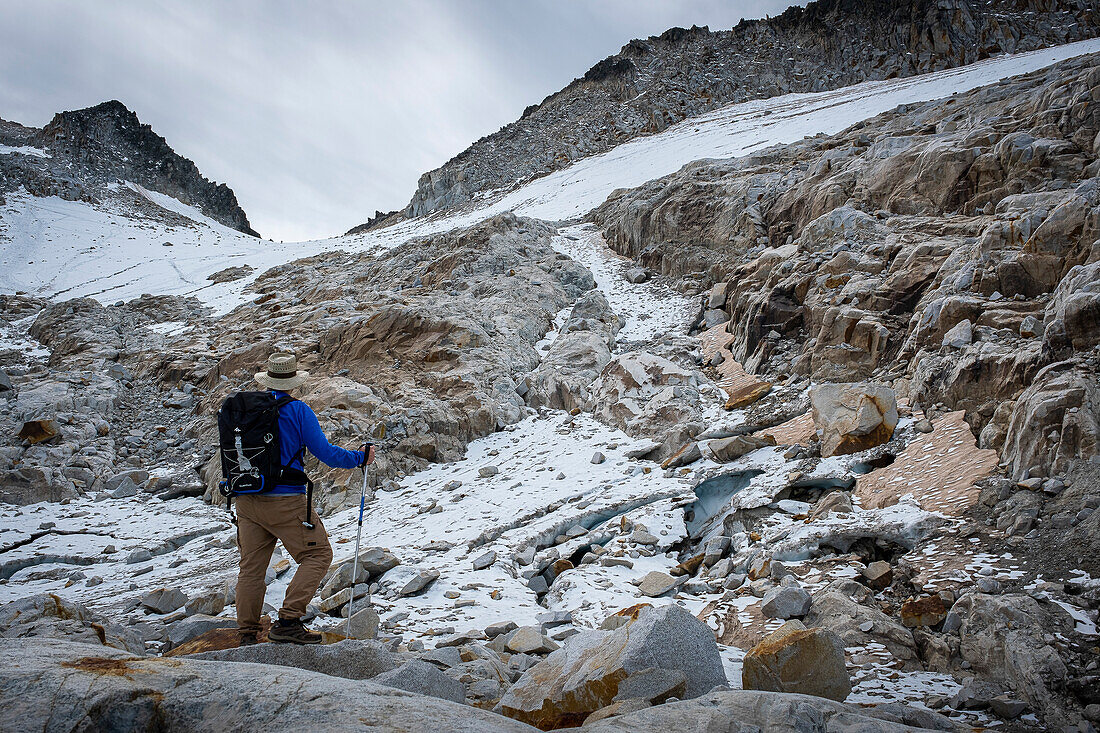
(108,143)
(684,72)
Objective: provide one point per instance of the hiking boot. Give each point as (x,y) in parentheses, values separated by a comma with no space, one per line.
(292,632)
(248,638)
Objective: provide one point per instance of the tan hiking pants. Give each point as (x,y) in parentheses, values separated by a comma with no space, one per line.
(261,520)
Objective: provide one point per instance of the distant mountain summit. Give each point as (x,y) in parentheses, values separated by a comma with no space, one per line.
(653,83)
(88,149)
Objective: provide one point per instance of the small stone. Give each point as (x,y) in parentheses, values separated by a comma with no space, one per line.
(529,640)
(1007,708)
(598,458)
(643,537)
(551,619)
(538,584)
(878,574)
(656,584)
(125,489)
(485,560)
(487,471)
(786,603)
(501,627)
(927,611)
(138,555)
(418,582)
(163,600)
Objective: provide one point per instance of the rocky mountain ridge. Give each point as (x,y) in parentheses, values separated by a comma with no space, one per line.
(87,150)
(656,82)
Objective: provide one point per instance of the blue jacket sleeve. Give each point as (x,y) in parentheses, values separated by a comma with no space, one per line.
(314,439)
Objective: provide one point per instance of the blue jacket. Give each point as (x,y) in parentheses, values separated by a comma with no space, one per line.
(298,428)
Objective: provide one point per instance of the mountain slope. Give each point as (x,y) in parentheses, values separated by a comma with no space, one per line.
(84,151)
(50,247)
(653,83)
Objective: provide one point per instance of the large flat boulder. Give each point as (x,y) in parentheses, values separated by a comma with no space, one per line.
(853,417)
(585,674)
(353,659)
(51,616)
(58,685)
(737,711)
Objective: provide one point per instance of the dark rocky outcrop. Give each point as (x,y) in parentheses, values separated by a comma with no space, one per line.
(656,82)
(90,148)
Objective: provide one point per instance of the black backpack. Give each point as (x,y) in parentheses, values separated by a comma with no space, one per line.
(248,430)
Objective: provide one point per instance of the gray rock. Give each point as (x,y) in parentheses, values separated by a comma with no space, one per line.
(445,656)
(373,563)
(487,471)
(583,675)
(836,611)
(423,679)
(125,489)
(636,275)
(363,625)
(729,449)
(1030,327)
(656,583)
(45,685)
(164,600)
(188,628)
(1007,708)
(654,685)
(554,618)
(501,627)
(51,616)
(786,602)
(418,582)
(538,584)
(485,560)
(353,659)
(598,457)
(748,711)
(208,604)
(529,640)
(5,381)
(960,335)
(139,555)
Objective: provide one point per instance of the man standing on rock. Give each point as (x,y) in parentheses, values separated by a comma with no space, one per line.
(276,514)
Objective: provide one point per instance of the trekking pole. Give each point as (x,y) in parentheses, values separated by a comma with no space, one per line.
(358,536)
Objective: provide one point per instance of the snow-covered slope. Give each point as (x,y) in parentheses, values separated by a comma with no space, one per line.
(53,248)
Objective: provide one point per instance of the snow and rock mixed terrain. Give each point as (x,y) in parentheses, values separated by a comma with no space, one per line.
(831,405)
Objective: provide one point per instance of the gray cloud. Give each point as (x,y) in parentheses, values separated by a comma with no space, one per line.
(316,114)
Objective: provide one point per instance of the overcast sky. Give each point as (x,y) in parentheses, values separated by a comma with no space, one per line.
(318,113)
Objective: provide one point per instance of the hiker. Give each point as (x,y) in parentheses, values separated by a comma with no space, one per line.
(265,512)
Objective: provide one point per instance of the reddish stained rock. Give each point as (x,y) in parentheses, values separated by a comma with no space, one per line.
(927,611)
(796,659)
(745,395)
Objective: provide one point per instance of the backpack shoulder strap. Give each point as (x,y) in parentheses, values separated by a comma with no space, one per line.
(284,400)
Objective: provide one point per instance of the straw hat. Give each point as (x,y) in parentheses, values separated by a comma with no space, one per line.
(282,373)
